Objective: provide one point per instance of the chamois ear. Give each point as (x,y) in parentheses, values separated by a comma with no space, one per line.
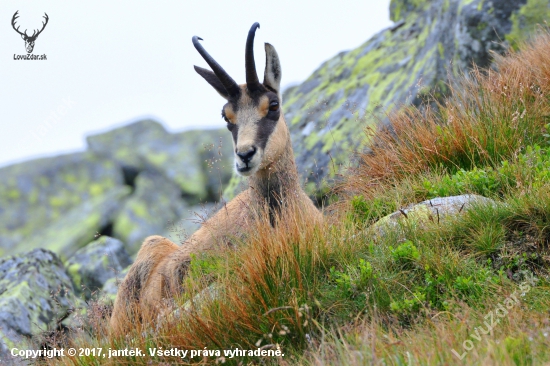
(272,74)
(213,80)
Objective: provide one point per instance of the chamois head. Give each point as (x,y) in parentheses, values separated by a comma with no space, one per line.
(253,110)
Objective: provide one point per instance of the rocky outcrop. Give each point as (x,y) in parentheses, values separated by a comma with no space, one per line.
(120,144)
(197,161)
(110,288)
(35,296)
(527,19)
(79,226)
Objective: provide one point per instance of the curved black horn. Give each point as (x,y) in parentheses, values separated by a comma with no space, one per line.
(229,84)
(252,82)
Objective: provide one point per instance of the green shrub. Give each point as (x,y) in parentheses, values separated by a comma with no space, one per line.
(405,253)
(355,279)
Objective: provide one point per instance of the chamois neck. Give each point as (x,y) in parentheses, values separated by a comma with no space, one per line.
(277,181)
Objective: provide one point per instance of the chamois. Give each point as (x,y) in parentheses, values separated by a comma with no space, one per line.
(263,152)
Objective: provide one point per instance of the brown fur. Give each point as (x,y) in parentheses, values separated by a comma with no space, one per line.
(157,274)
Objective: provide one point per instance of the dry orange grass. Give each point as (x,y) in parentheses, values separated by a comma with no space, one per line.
(489,116)
(262,296)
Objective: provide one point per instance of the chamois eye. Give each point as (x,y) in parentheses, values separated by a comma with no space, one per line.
(274,106)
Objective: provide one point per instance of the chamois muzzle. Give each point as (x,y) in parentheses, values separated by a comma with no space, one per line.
(247,155)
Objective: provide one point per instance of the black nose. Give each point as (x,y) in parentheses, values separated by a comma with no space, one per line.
(247,156)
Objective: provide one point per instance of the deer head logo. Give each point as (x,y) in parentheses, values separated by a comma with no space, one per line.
(29,40)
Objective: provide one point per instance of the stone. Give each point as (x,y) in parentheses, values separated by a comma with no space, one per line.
(92,266)
(39,193)
(155,203)
(433,211)
(79,226)
(36,294)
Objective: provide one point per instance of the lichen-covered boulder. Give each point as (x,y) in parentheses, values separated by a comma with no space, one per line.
(35,294)
(121,144)
(92,266)
(199,161)
(401,65)
(79,226)
(38,193)
(215,150)
(155,203)
(433,211)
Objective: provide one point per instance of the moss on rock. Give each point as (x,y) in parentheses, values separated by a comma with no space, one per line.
(401,65)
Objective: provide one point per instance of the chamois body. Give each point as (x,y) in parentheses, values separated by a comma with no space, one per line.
(263,152)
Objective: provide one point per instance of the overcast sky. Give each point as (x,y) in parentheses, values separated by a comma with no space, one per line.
(113,62)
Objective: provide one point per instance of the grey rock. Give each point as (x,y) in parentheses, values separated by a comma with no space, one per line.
(35,294)
(79,226)
(155,203)
(92,266)
(38,193)
(121,144)
(200,162)
(110,288)
(434,211)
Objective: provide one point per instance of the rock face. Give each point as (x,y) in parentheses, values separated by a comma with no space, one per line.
(35,294)
(401,65)
(527,19)
(92,266)
(119,145)
(80,225)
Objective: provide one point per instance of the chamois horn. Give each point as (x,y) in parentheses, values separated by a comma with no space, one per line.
(229,84)
(252,82)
